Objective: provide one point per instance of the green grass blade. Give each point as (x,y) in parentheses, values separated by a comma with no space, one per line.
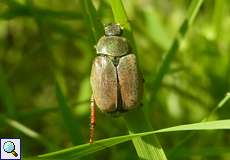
(94,26)
(12,3)
(155,30)
(224,100)
(218,16)
(25,130)
(168,58)
(120,14)
(41,110)
(148,147)
(212,125)
(121,18)
(5,95)
(86,149)
(218,106)
(19,10)
(71,124)
(193,10)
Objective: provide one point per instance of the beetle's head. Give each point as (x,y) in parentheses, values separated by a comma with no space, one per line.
(113,29)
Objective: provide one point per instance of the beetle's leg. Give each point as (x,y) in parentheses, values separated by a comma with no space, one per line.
(92,119)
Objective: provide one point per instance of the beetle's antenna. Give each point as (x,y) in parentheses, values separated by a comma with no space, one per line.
(92,120)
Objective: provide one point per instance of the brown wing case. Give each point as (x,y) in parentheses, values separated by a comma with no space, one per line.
(104,83)
(131,82)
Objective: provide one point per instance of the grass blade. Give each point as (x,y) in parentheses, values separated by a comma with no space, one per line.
(86,149)
(218,13)
(164,67)
(121,18)
(94,26)
(148,147)
(19,10)
(46,110)
(25,130)
(224,100)
(6,97)
(155,30)
(218,106)
(193,10)
(71,124)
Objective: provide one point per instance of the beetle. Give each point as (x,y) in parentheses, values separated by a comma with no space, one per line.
(116,80)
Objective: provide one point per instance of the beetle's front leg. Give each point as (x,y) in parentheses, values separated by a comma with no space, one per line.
(92,119)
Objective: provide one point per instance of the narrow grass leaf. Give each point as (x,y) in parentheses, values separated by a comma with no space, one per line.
(120,17)
(218,106)
(5,95)
(42,110)
(218,16)
(70,123)
(76,152)
(148,147)
(94,26)
(224,100)
(155,30)
(187,137)
(170,54)
(25,130)
(26,11)
(193,10)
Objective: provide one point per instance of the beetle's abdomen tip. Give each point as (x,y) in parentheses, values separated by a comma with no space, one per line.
(122,110)
(117,113)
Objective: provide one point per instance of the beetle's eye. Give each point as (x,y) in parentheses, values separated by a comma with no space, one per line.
(113,30)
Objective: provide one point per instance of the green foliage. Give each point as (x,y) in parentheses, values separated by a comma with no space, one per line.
(183,51)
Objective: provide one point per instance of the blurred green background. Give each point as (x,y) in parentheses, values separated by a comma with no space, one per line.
(43,41)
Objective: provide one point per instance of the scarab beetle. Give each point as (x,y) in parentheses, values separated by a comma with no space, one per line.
(116,80)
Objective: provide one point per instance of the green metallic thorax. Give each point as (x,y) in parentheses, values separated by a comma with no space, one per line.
(114,46)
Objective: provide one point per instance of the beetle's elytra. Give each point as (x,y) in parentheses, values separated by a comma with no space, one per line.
(116,81)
